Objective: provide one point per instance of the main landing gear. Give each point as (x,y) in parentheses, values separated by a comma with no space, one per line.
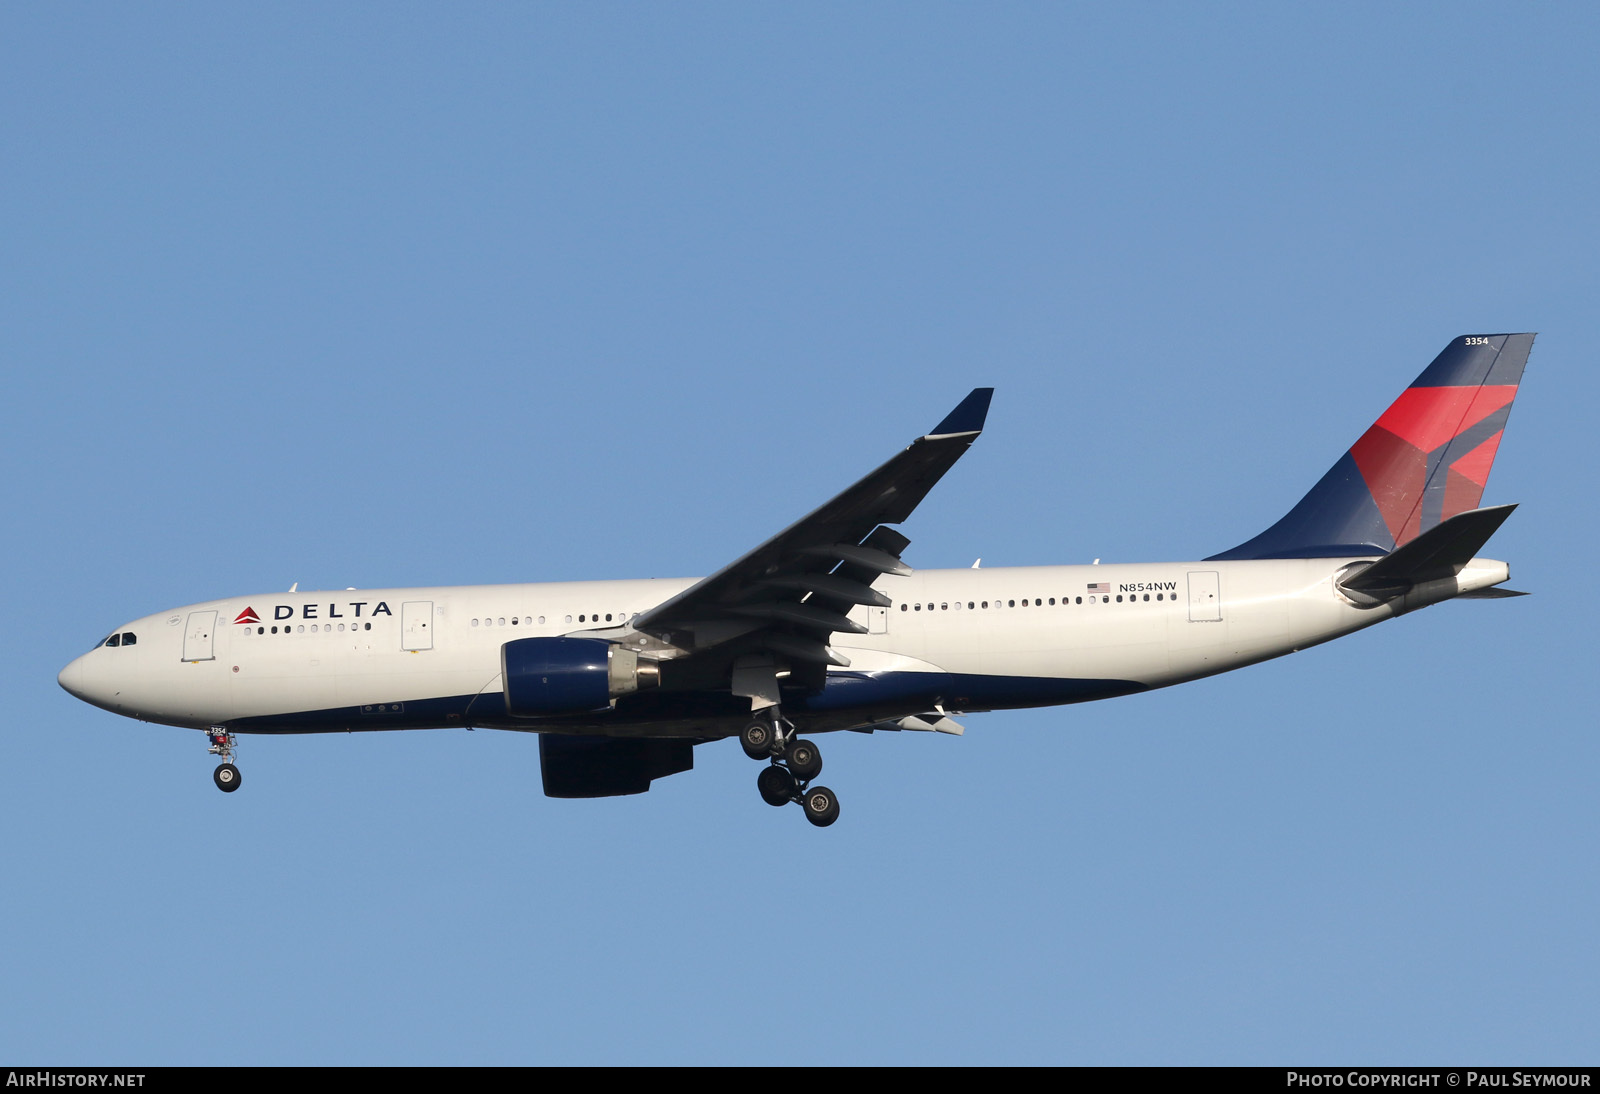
(226,776)
(793,764)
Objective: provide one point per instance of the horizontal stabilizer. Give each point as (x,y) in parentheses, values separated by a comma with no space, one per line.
(1438,553)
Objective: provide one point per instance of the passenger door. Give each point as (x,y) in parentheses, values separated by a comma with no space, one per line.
(198,635)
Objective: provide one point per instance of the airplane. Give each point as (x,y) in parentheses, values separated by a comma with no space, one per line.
(824,627)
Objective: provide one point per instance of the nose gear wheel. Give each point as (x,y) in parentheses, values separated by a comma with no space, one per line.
(222,744)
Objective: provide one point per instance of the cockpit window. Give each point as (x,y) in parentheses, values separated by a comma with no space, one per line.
(129,638)
(114,640)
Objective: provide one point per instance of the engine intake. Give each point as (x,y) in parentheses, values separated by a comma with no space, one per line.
(568,675)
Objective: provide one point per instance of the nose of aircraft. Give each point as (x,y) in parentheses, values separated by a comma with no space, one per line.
(87,679)
(71,678)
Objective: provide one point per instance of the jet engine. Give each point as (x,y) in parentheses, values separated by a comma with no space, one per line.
(568,675)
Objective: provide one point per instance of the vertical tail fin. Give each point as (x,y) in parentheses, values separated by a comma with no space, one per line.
(1424,461)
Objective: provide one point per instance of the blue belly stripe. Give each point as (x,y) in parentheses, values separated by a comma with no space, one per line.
(875,695)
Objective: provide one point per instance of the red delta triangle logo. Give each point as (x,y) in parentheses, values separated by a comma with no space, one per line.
(248,616)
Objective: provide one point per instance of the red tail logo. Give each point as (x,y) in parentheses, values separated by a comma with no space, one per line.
(1399,454)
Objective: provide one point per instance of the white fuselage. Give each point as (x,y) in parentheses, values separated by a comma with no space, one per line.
(982,638)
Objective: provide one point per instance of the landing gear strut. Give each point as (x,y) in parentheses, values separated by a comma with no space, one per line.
(793,763)
(226,776)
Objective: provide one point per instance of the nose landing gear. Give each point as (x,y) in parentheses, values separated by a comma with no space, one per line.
(226,776)
(793,764)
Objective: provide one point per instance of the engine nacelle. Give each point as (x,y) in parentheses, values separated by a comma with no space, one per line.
(568,675)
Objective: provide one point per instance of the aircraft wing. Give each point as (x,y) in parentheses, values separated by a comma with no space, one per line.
(790,594)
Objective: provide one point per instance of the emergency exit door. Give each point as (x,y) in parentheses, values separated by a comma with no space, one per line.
(416,625)
(1205,597)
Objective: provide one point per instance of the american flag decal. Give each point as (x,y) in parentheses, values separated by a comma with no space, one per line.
(1100,587)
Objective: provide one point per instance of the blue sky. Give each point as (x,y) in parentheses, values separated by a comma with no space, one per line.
(391,295)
